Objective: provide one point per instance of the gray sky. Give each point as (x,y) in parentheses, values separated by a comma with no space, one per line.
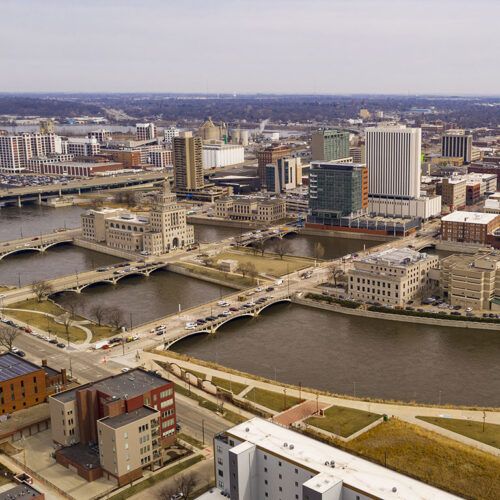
(283,46)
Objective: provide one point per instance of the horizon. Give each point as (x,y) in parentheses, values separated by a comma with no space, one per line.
(321,47)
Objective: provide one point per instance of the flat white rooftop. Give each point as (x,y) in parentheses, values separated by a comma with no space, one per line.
(469,217)
(395,256)
(353,471)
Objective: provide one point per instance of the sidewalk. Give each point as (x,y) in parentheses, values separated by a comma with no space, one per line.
(403,412)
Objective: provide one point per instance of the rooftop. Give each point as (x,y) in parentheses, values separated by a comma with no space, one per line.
(358,473)
(395,256)
(12,366)
(123,385)
(20,491)
(82,455)
(469,217)
(129,417)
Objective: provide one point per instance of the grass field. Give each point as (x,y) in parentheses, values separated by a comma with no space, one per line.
(343,421)
(267,264)
(219,275)
(42,322)
(44,306)
(101,332)
(272,400)
(470,428)
(235,387)
(191,440)
(432,458)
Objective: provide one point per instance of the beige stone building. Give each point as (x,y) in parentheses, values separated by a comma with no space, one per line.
(392,276)
(471,280)
(453,192)
(253,209)
(163,230)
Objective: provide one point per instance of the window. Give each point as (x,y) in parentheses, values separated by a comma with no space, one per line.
(280,476)
(128,466)
(220,484)
(221,474)
(125,435)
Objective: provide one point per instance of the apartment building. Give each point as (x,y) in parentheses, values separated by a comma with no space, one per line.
(162,158)
(251,208)
(24,384)
(392,276)
(188,162)
(471,280)
(269,156)
(119,424)
(81,146)
(169,134)
(17,149)
(145,131)
(469,227)
(101,135)
(259,459)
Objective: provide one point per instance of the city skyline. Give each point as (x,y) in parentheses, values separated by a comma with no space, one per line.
(339,47)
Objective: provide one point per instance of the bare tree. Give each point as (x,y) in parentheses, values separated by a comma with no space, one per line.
(8,335)
(335,273)
(243,268)
(41,289)
(116,317)
(260,245)
(185,484)
(98,312)
(282,248)
(72,304)
(67,321)
(252,271)
(319,250)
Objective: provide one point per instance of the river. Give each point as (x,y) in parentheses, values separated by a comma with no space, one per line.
(359,356)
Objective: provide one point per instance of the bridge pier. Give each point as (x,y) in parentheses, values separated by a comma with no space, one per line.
(19,204)
(39,198)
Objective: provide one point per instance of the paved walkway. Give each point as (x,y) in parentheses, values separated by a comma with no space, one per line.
(404,412)
(76,324)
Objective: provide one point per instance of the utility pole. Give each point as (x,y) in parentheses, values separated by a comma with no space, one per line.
(484,419)
(300,391)
(203,431)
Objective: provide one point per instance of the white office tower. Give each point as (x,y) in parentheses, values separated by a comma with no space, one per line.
(393,160)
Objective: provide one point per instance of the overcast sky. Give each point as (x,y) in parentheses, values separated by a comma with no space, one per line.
(283,46)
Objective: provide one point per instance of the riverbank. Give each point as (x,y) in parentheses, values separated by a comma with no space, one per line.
(394,316)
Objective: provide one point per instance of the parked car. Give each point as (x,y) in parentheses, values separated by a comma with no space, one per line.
(61,345)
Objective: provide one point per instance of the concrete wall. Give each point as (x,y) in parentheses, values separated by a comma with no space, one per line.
(346,234)
(105,249)
(396,317)
(186,272)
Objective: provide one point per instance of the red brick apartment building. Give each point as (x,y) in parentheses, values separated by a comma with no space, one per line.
(114,427)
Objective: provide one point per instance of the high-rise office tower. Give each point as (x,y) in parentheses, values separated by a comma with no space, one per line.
(267,156)
(328,145)
(393,160)
(188,161)
(337,190)
(457,144)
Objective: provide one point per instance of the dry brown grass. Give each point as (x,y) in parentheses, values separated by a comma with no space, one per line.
(432,458)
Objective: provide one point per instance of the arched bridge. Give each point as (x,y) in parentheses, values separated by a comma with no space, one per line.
(38,243)
(268,236)
(213,326)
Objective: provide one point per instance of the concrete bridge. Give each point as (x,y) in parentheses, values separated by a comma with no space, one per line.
(250,240)
(213,326)
(38,243)
(79,281)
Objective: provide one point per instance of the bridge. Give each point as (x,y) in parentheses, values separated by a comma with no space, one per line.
(265,236)
(79,281)
(38,243)
(213,326)
(18,195)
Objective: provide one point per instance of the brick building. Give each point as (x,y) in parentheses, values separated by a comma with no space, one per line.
(268,156)
(114,427)
(24,384)
(469,227)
